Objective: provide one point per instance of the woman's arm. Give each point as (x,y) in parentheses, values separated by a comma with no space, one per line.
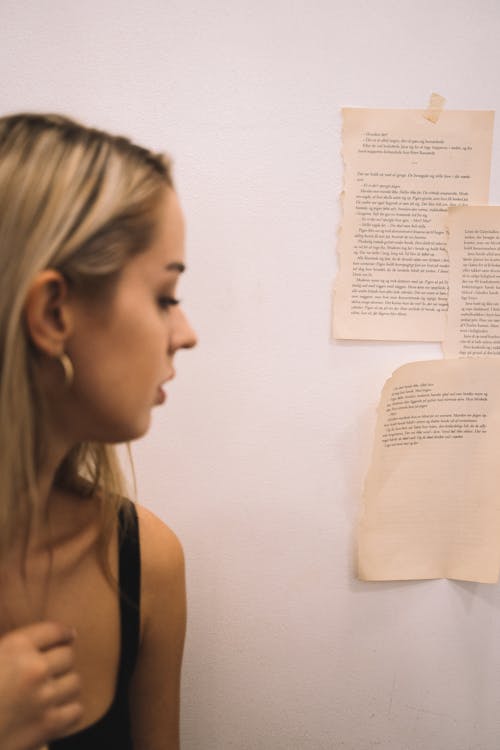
(155,687)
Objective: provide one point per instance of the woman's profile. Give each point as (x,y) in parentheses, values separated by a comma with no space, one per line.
(92,594)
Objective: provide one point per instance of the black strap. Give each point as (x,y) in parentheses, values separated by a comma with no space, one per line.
(113,729)
(130,590)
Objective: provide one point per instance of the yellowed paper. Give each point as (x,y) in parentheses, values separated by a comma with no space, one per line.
(473,327)
(402,172)
(431,504)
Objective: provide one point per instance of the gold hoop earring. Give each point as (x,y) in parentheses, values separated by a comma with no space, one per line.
(69,370)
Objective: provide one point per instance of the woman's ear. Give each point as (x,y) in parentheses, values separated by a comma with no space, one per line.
(47,314)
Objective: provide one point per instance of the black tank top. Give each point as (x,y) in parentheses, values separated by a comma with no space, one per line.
(113,729)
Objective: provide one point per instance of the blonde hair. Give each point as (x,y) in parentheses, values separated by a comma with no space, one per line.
(81,201)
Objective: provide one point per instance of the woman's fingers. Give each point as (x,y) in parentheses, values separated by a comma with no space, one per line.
(39,687)
(47,635)
(61,690)
(59,720)
(60,660)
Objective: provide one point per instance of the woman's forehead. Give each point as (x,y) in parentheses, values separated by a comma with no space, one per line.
(169,239)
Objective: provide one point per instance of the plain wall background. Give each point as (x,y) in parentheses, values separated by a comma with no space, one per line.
(258,458)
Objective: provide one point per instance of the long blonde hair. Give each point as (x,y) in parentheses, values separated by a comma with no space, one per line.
(81,201)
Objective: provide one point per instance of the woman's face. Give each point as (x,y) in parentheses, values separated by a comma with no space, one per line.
(123,352)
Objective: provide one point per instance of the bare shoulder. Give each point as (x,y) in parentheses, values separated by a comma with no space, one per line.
(155,686)
(162,564)
(161,550)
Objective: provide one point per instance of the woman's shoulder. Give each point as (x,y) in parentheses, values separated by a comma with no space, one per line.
(156,681)
(160,546)
(162,562)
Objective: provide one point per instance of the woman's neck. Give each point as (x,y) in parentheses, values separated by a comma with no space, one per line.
(45,515)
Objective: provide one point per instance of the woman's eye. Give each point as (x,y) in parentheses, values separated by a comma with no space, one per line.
(165,302)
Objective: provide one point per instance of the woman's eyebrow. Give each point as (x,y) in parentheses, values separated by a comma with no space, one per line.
(176,266)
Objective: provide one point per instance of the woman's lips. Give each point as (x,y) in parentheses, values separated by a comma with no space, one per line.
(161,396)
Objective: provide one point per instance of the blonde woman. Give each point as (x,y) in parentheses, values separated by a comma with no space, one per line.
(92,596)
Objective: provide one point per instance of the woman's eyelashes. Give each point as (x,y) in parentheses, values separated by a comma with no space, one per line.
(165,301)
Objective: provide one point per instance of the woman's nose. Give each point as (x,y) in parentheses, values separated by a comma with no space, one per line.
(184,335)
(191,339)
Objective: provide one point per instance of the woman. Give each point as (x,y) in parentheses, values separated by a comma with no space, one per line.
(92,597)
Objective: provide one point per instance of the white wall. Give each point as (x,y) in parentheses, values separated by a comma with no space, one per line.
(258,459)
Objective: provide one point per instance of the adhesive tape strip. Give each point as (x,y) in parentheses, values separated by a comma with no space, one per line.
(434,108)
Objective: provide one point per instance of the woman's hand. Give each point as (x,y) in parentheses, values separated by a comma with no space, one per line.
(39,688)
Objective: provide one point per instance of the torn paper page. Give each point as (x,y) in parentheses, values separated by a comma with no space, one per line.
(431,503)
(402,172)
(473,325)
